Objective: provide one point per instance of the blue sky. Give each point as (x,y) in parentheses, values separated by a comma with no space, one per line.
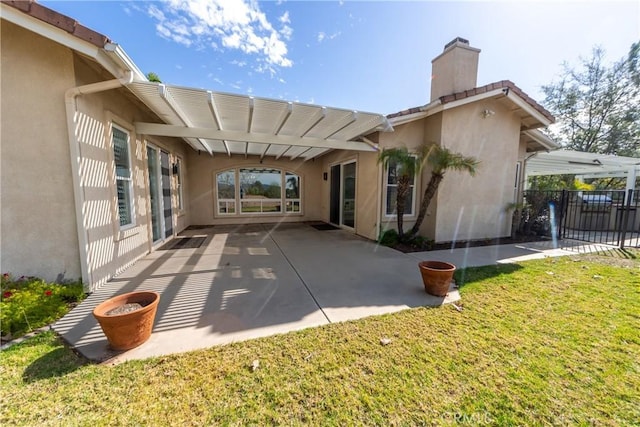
(367,56)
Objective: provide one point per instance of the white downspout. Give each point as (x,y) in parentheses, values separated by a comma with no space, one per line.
(74,150)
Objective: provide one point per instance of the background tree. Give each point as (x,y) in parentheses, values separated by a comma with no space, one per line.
(597,105)
(153,77)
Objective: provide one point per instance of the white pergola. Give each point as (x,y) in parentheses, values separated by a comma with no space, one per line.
(230,124)
(583,165)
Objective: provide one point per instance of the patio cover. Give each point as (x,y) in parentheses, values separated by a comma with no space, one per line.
(223,123)
(585,165)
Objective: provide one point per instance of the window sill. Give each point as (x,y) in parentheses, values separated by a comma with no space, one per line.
(257,215)
(126,233)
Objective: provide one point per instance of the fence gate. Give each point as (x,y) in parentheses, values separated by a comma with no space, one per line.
(606,217)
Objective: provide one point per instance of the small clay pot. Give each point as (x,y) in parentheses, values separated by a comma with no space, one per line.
(128,330)
(436,276)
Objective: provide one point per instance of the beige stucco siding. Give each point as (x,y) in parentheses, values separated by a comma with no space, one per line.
(411,135)
(367,189)
(39,232)
(475,207)
(38,217)
(202,191)
(110,248)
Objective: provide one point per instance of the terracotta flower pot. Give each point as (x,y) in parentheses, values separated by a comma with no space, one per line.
(130,328)
(436,276)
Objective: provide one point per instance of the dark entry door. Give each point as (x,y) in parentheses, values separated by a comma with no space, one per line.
(334,203)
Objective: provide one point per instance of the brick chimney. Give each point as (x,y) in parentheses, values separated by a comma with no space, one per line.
(455,69)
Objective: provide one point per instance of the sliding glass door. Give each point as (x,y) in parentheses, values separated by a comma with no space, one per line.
(160,193)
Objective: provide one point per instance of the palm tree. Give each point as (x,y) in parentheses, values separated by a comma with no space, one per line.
(406,166)
(441,160)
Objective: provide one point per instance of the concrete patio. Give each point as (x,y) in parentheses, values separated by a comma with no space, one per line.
(250,281)
(254,280)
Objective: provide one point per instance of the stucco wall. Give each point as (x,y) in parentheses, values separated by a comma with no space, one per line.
(110,248)
(475,207)
(39,235)
(411,135)
(367,194)
(202,198)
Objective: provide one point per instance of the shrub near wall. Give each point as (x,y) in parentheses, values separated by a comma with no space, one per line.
(29,303)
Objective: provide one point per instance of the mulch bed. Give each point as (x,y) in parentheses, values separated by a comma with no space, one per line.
(406,248)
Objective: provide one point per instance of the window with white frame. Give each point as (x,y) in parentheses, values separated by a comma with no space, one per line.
(226,192)
(259,190)
(391,187)
(124,181)
(179,183)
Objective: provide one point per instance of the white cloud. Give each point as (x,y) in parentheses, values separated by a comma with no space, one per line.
(231,24)
(322,36)
(285,18)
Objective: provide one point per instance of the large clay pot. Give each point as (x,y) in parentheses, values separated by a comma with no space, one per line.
(436,276)
(128,330)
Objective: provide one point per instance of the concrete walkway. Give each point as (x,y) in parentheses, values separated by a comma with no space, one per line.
(257,280)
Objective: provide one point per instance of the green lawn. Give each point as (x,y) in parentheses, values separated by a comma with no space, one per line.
(549,342)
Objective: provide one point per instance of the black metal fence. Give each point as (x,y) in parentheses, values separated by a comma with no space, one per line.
(607,217)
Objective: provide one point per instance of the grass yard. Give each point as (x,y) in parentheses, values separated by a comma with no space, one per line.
(549,342)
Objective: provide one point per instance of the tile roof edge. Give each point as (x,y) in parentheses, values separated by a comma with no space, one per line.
(58,20)
(502,84)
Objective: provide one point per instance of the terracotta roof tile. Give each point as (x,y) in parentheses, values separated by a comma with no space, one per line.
(405,112)
(65,23)
(506,85)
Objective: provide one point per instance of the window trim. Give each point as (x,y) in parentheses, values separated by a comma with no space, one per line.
(179,184)
(129,180)
(385,194)
(237,201)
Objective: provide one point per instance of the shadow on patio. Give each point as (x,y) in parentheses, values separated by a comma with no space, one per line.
(254,280)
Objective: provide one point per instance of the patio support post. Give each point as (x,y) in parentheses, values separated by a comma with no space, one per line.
(631,178)
(625,217)
(76,155)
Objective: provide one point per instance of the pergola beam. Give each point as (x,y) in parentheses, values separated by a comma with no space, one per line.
(171,103)
(209,133)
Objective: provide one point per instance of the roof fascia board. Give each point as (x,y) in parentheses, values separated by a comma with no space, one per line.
(209,133)
(527,107)
(117,53)
(46,30)
(436,107)
(64,38)
(542,139)
(400,120)
(425,111)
